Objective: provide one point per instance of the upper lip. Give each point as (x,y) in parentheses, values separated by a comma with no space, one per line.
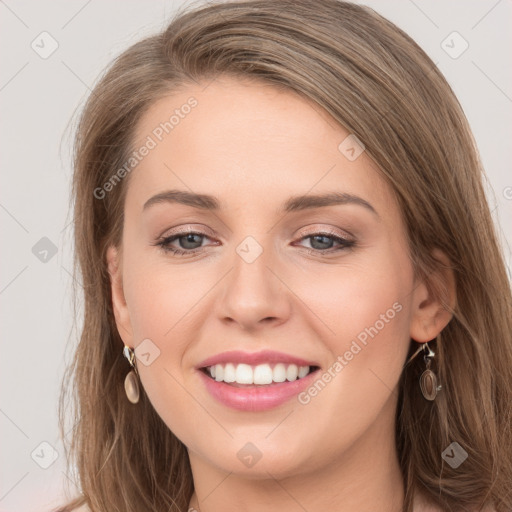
(254,358)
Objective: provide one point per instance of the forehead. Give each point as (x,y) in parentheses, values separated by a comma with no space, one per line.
(246,142)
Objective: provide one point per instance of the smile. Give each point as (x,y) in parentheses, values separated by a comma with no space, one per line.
(255,382)
(261,374)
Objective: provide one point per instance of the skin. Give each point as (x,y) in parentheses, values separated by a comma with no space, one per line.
(252,146)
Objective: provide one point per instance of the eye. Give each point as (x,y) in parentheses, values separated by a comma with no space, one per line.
(190,242)
(322,242)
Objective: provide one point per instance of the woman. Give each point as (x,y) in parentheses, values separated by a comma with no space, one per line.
(280,224)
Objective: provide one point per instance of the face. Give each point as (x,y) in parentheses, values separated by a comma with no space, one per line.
(254,284)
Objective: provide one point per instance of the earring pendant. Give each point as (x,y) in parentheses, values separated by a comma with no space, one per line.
(428,385)
(131,387)
(131,382)
(428,379)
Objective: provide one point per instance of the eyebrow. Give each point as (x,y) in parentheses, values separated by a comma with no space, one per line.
(292,204)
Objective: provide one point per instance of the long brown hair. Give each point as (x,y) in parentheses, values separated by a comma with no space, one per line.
(377,83)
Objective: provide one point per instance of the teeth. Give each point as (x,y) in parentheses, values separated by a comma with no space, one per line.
(303,371)
(292,372)
(279,373)
(244,374)
(229,373)
(260,375)
(219,372)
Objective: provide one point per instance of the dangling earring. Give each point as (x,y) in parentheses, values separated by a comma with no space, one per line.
(428,379)
(131,384)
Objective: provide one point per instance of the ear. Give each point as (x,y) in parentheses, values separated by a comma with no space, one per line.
(119,305)
(431,311)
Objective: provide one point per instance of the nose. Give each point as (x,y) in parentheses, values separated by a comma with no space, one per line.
(254,293)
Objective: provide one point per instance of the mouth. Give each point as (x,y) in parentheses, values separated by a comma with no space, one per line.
(256,381)
(241,375)
(256,388)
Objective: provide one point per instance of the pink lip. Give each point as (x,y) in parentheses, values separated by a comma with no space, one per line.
(255,358)
(256,398)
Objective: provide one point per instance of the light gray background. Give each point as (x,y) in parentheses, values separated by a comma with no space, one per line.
(37,99)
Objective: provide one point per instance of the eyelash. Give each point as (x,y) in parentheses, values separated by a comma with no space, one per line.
(164,243)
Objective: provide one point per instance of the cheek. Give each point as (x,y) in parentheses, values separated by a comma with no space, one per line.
(365,313)
(166,304)
(371,341)
(361,301)
(160,297)
(160,305)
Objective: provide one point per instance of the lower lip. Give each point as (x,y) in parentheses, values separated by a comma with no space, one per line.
(256,398)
